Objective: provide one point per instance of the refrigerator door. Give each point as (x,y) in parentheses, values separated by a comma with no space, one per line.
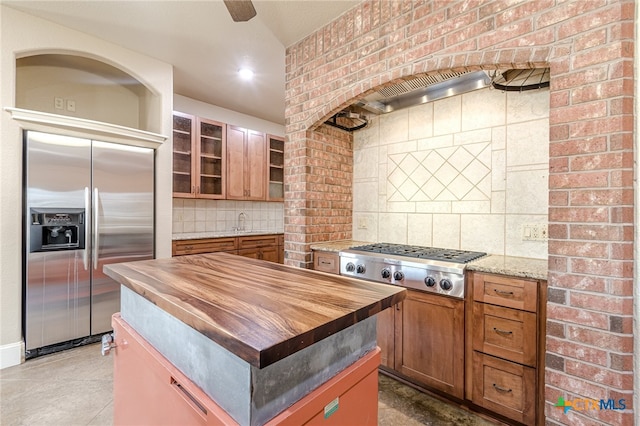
(57,283)
(122,220)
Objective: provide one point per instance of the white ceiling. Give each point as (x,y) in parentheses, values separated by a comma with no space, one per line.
(205,47)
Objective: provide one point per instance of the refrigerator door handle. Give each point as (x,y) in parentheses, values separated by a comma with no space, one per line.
(96,228)
(87,230)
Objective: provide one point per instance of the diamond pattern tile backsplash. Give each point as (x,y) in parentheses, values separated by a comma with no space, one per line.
(463,172)
(441,174)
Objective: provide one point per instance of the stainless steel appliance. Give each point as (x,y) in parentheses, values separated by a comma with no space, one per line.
(429,269)
(87,203)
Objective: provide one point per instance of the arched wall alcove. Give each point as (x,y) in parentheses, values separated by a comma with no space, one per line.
(589,48)
(76,85)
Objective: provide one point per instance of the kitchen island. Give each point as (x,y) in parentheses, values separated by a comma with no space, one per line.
(260,341)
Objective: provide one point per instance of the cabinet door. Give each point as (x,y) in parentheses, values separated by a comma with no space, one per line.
(275,190)
(256,172)
(430,341)
(210,164)
(235,162)
(246,164)
(184,180)
(385,335)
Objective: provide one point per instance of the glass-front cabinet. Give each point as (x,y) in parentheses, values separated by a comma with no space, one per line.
(211,153)
(199,147)
(215,160)
(183,166)
(276,168)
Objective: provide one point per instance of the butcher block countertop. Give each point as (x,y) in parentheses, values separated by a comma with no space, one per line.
(260,311)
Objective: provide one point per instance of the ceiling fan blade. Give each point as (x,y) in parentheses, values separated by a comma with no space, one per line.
(240,10)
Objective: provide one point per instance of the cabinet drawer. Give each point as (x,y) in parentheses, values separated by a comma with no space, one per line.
(506,333)
(257,241)
(326,262)
(264,253)
(504,387)
(205,245)
(506,291)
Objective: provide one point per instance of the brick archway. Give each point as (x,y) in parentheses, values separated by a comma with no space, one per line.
(589,47)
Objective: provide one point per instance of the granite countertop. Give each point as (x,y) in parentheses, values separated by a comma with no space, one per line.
(219,234)
(496,264)
(260,311)
(523,267)
(336,246)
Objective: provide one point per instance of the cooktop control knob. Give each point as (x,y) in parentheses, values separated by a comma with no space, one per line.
(360,269)
(430,281)
(386,273)
(398,276)
(350,267)
(445,284)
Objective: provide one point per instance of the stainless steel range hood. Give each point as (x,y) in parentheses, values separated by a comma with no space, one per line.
(429,88)
(422,90)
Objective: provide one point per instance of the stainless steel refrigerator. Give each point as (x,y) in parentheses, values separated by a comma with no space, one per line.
(87,203)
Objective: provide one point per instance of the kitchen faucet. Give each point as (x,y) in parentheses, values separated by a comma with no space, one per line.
(242,219)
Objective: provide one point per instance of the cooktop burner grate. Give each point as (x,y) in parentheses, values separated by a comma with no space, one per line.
(433,253)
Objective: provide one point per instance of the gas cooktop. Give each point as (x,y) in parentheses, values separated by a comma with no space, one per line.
(432,269)
(434,253)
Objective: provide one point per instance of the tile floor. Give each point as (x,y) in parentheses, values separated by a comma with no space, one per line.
(74,387)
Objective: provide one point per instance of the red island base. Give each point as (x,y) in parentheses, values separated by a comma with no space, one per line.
(148,389)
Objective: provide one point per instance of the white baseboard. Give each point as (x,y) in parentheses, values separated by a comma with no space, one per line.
(11,354)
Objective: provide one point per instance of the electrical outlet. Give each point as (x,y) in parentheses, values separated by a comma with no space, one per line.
(362,223)
(58,103)
(71,105)
(535,232)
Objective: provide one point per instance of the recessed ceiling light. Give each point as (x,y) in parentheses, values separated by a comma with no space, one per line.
(245,73)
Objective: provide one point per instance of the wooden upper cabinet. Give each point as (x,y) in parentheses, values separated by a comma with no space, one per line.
(275,145)
(210,167)
(246,164)
(199,147)
(184,180)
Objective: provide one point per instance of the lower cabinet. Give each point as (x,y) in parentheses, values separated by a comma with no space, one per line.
(504,387)
(486,351)
(428,341)
(386,336)
(326,261)
(505,346)
(265,247)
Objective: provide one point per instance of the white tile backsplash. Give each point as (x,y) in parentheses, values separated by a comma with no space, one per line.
(461,172)
(447,116)
(222,215)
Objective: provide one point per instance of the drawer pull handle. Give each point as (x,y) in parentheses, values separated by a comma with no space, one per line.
(190,397)
(501,389)
(188,247)
(324,262)
(503,332)
(503,293)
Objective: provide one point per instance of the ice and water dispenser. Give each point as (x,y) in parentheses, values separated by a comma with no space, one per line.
(56,229)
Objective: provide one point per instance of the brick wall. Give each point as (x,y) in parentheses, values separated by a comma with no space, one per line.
(589,47)
(317,191)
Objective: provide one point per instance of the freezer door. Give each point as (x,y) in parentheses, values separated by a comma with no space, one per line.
(122,220)
(57,283)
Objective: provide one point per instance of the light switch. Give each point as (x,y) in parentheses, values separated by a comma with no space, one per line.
(58,103)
